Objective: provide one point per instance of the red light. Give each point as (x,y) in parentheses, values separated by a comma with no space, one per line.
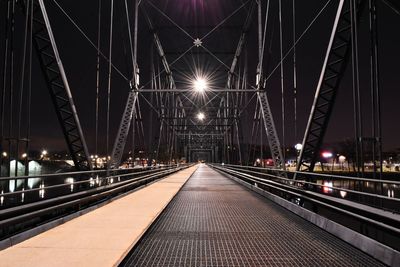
(327,154)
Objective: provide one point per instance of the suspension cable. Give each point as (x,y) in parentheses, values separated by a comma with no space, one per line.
(282,81)
(11,99)
(109,79)
(29,93)
(21,90)
(130,39)
(294,70)
(98,77)
(264,37)
(4,74)
(356,89)
(224,20)
(299,39)
(89,40)
(170,20)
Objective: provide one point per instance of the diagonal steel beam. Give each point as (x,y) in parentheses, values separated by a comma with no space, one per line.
(58,85)
(333,68)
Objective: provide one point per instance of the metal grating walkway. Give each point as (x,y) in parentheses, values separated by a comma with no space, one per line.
(213,221)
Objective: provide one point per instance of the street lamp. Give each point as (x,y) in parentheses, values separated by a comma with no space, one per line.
(326,155)
(342,159)
(201,116)
(200,85)
(298,146)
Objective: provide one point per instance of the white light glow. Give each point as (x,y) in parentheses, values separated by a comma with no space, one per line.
(298,146)
(327,187)
(201,116)
(41,191)
(200,85)
(91,182)
(71,181)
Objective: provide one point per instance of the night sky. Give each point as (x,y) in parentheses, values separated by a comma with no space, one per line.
(79,59)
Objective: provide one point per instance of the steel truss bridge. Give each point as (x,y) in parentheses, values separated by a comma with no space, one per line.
(192,92)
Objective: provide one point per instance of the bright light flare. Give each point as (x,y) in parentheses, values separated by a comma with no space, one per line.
(200,85)
(201,116)
(298,146)
(327,154)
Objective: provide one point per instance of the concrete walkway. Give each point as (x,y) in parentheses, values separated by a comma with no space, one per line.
(102,237)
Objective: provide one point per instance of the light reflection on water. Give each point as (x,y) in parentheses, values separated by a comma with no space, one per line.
(390,190)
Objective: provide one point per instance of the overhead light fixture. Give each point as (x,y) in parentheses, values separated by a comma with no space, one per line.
(201,116)
(200,85)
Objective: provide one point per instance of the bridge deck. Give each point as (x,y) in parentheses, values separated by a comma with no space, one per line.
(213,221)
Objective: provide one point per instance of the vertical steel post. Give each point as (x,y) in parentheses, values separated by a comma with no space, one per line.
(266,114)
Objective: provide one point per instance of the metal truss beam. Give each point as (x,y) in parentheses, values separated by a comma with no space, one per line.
(129,115)
(201,134)
(393,4)
(123,131)
(159,48)
(270,129)
(190,90)
(57,83)
(335,62)
(265,109)
(242,42)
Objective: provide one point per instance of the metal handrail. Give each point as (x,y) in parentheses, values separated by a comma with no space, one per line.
(317,174)
(81,182)
(96,179)
(29,215)
(274,185)
(316,190)
(311,183)
(77,173)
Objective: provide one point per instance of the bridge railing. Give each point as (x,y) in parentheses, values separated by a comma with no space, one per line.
(55,195)
(373,215)
(16,191)
(383,194)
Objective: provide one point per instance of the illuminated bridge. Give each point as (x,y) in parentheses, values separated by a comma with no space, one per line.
(199,133)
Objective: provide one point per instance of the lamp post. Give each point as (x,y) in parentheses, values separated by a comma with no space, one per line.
(326,155)
(298,148)
(342,159)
